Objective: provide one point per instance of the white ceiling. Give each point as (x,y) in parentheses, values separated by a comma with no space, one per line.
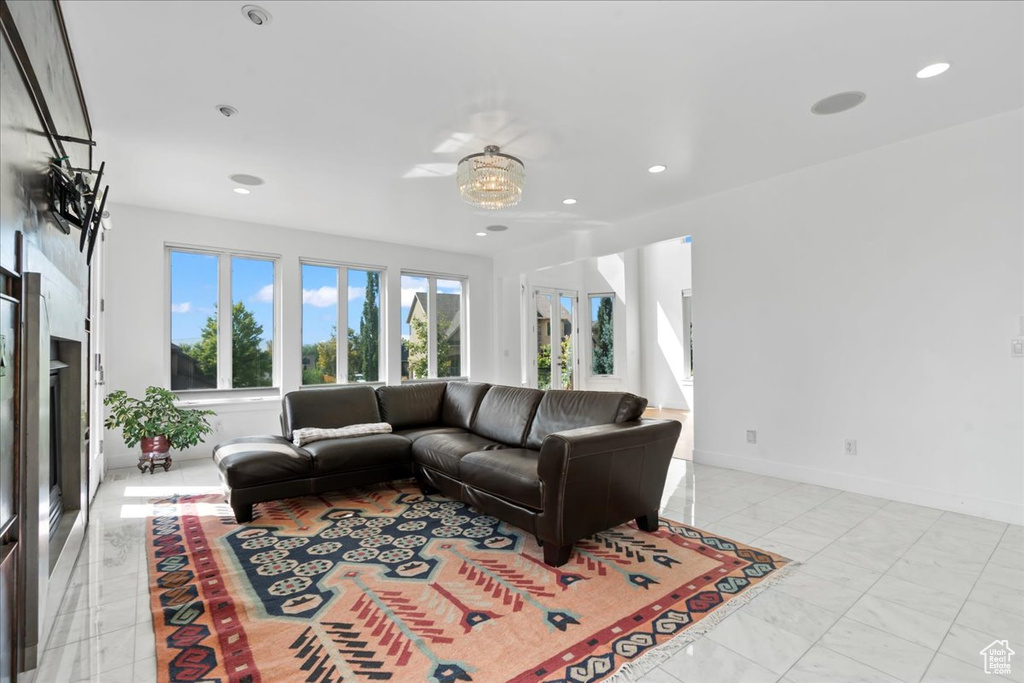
(350,110)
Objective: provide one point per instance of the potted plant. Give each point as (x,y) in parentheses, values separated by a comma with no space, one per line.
(157,423)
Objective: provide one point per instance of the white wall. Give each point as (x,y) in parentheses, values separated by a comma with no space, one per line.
(664,273)
(873,298)
(137,325)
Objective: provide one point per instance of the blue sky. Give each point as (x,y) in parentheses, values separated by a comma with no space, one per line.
(194,295)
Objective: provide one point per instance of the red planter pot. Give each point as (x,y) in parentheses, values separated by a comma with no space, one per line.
(155,444)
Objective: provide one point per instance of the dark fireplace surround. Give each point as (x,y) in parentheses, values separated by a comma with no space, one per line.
(56,480)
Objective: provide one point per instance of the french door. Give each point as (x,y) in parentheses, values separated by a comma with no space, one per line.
(554,329)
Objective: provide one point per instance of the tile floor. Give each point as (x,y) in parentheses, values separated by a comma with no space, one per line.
(887,591)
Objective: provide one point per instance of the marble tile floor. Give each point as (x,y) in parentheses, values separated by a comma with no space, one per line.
(886,591)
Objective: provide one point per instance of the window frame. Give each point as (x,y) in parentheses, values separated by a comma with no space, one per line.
(432,279)
(590,336)
(224,332)
(341,360)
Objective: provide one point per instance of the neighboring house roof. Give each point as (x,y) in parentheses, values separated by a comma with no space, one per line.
(448,308)
(544,309)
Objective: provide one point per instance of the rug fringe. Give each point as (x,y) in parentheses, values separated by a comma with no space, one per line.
(633,671)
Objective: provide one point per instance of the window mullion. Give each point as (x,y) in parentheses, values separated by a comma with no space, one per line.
(342,376)
(432,327)
(224,322)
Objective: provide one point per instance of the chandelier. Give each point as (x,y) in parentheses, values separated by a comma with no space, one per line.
(491,180)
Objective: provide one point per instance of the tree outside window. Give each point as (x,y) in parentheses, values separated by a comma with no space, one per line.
(602,333)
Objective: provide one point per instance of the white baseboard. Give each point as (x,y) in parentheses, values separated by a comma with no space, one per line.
(670,405)
(999,510)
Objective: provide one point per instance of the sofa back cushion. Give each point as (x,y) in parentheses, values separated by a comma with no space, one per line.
(328,408)
(461,401)
(411,405)
(562,410)
(505,414)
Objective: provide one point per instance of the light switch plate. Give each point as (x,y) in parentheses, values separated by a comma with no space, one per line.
(1017,347)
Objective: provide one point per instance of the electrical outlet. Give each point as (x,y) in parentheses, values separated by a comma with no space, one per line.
(1017,347)
(751,436)
(850,447)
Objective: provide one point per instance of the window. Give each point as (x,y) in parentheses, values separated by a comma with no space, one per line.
(602,334)
(326,307)
(433,327)
(204,352)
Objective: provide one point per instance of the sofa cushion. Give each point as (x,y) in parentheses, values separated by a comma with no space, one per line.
(505,414)
(411,405)
(419,432)
(342,455)
(461,400)
(328,408)
(562,410)
(510,473)
(442,452)
(255,460)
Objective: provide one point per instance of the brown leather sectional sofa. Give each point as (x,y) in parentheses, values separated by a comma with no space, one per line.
(560,464)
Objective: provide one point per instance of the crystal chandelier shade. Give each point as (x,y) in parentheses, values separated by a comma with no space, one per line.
(491,180)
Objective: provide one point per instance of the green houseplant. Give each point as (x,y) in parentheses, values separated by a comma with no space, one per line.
(156,423)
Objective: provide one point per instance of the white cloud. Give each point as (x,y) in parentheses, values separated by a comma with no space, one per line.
(265,295)
(321,298)
(181,308)
(356,292)
(408,294)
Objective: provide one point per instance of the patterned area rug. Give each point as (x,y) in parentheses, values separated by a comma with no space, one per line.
(385,584)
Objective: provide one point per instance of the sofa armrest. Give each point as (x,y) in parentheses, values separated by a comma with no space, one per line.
(599,477)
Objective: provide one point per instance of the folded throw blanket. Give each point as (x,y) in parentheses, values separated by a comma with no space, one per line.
(310,434)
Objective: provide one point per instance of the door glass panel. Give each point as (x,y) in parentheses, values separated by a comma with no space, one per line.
(566,352)
(542,306)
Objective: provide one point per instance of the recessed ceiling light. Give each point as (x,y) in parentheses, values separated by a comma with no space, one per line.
(227,110)
(657,168)
(933,70)
(569,202)
(481,234)
(245,179)
(241,190)
(497,228)
(256,15)
(840,102)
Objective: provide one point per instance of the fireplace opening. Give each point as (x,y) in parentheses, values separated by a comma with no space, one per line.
(56,455)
